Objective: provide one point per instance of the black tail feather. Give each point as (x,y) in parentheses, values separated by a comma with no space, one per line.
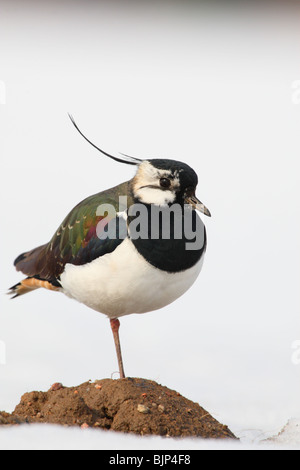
(13,291)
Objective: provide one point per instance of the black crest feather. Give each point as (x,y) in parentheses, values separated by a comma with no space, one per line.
(128,160)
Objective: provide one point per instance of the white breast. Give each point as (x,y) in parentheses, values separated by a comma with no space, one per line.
(122,282)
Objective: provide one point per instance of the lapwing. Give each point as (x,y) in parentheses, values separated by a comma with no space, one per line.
(117,262)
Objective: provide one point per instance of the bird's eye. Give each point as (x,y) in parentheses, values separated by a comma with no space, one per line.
(165,182)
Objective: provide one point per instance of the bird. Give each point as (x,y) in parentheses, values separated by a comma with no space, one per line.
(112,252)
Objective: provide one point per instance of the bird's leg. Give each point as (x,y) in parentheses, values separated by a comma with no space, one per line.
(115,325)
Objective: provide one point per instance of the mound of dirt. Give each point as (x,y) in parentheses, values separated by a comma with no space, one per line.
(130,405)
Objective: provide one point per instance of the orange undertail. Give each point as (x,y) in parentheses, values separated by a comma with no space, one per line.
(28,285)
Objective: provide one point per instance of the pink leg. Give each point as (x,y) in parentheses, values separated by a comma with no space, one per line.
(115,325)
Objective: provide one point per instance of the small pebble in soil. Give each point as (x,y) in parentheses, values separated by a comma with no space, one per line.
(56,386)
(143,409)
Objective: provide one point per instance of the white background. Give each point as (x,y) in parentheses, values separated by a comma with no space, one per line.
(211,87)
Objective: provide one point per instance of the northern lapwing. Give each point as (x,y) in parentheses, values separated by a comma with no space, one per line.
(117,262)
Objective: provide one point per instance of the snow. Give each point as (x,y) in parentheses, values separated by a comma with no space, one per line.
(289,436)
(47,437)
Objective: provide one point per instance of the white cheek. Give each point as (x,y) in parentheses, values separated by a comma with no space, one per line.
(155,196)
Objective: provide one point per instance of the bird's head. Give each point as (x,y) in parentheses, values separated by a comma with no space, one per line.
(164,182)
(160,181)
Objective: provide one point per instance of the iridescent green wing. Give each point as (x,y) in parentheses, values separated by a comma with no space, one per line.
(92,229)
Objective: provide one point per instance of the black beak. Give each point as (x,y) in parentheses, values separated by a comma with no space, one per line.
(196,204)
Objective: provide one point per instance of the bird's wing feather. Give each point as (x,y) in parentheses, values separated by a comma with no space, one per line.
(78,239)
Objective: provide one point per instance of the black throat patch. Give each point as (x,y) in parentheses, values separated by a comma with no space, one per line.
(170,240)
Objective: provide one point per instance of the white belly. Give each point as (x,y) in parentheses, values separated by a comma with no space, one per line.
(122,282)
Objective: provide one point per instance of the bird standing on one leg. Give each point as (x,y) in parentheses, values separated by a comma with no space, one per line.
(125,263)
